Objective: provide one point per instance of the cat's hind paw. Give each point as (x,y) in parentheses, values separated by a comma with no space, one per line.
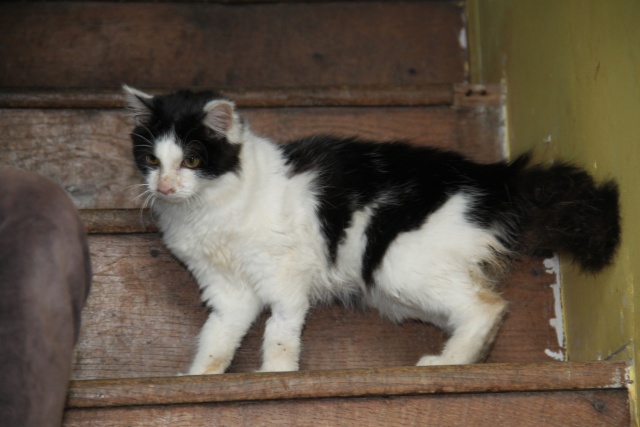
(279,366)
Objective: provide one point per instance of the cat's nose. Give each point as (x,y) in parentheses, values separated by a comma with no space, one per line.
(166,189)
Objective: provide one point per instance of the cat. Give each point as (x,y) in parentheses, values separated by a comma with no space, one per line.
(415,232)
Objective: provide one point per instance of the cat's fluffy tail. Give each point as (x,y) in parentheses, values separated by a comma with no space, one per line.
(570,213)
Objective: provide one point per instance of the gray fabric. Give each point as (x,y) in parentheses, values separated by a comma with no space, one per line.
(45,277)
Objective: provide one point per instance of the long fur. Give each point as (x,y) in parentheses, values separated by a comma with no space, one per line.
(415,232)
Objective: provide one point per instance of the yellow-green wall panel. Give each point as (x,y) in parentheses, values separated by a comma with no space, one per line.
(572,75)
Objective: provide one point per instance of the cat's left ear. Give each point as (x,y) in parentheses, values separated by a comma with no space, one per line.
(220,116)
(138,103)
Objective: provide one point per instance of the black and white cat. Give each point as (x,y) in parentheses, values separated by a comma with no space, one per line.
(415,232)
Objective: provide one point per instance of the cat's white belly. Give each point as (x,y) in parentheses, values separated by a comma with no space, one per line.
(426,271)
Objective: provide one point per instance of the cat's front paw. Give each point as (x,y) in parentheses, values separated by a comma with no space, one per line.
(432,361)
(209,369)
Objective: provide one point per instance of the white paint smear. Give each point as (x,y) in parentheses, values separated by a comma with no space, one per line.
(462,38)
(553,267)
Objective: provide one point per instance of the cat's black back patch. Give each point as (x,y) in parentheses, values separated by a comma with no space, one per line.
(181,114)
(401,184)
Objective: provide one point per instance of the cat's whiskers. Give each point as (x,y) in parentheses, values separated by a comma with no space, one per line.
(189,133)
(197,200)
(153,201)
(193,199)
(149,195)
(146,193)
(150,198)
(146,139)
(142,125)
(134,186)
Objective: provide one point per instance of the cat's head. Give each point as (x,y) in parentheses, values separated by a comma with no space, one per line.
(183,141)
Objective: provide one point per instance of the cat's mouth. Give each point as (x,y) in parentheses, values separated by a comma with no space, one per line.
(173,197)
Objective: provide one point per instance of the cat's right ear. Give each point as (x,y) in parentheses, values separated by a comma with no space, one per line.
(220,116)
(138,103)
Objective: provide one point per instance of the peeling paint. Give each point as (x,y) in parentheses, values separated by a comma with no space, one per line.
(557,355)
(629,374)
(462,38)
(503,136)
(633,391)
(552,266)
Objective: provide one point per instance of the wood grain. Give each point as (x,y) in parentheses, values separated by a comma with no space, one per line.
(114,221)
(163,44)
(308,96)
(87,151)
(530,409)
(480,378)
(143,316)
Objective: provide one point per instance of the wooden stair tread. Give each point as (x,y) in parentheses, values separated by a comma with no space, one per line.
(406,95)
(118,221)
(303,96)
(397,381)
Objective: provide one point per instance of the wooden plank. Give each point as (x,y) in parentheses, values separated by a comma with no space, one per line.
(244,1)
(534,409)
(112,221)
(144,313)
(325,96)
(404,381)
(88,152)
(164,44)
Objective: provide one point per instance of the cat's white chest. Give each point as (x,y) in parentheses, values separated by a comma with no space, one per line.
(213,245)
(194,241)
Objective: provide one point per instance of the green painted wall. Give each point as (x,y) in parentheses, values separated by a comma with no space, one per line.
(572,75)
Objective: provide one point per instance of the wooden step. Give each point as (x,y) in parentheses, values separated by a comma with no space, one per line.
(550,394)
(181,44)
(80,139)
(144,313)
(307,96)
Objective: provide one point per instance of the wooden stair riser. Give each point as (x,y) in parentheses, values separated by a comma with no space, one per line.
(144,314)
(561,409)
(557,394)
(88,150)
(157,44)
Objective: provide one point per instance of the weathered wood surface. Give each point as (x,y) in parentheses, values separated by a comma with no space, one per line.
(528,409)
(309,96)
(88,151)
(123,221)
(162,44)
(242,1)
(143,316)
(480,378)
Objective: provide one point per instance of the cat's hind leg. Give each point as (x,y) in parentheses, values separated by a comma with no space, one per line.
(474,322)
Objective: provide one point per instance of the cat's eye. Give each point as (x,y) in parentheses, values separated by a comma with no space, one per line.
(152,160)
(191,162)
